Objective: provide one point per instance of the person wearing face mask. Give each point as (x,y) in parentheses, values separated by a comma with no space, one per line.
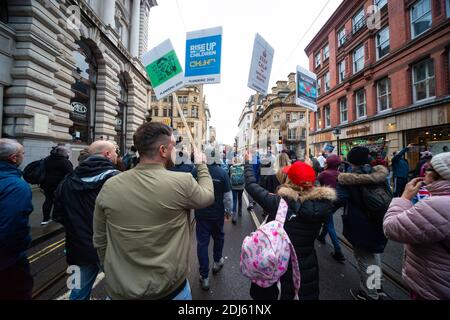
(16,282)
(142,227)
(74,209)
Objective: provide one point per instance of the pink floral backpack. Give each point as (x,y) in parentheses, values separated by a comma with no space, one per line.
(266,252)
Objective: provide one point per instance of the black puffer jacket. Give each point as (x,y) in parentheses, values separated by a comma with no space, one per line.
(306,213)
(74,207)
(56,168)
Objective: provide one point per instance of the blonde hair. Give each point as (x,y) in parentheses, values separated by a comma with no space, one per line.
(282,161)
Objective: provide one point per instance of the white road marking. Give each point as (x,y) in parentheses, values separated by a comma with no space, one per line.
(252,212)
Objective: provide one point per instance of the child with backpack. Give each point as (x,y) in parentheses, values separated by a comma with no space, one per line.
(237,186)
(308,207)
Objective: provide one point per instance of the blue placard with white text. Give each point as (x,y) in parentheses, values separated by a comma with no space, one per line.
(203,56)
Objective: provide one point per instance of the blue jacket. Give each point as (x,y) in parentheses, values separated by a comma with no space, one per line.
(222,186)
(15,208)
(400,167)
(358,230)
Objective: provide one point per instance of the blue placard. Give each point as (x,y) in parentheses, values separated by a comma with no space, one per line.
(203,56)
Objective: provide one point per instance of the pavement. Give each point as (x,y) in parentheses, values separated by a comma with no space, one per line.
(336,279)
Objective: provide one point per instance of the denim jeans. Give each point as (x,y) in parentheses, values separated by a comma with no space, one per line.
(88,275)
(328,227)
(237,201)
(205,229)
(185,294)
(367,274)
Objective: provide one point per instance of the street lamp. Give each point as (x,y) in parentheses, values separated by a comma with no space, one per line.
(337,132)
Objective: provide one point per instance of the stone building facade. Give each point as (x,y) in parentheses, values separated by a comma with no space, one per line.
(71,73)
(387,85)
(195,110)
(280,120)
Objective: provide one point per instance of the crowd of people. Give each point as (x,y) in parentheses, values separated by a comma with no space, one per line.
(133,218)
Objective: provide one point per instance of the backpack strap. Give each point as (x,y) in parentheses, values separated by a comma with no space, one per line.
(281,217)
(282,211)
(295,270)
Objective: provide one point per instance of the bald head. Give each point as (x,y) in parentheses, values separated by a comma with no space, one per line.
(11,151)
(104,148)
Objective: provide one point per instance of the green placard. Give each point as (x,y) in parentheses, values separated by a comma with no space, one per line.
(163,69)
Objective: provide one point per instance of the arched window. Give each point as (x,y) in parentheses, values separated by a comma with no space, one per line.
(121,117)
(84,88)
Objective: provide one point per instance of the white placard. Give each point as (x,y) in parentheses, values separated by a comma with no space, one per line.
(163,69)
(261,65)
(306,89)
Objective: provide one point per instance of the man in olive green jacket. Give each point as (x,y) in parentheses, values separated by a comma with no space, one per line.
(142,228)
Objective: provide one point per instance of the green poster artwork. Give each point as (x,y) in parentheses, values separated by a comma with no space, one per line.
(163,69)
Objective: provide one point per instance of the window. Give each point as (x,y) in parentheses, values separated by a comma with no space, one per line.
(361,110)
(292,134)
(182,99)
(4,11)
(194,112)
(317,59)
(294,116)
(165,112)
(301,115)
(341,37)
(382,42)
(185,112)
(327,81)
(358,59)
(341,68)
(358,21)
(288,117)
(343,110)
(319,87)
(423,80)
(85,91)
(448,8)
(384,94)
(327,116)
(420,17)
(326,52)
(154,98)
(155,111)
(318,119)
(380,3)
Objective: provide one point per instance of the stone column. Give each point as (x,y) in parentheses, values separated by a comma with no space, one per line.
(109,8)
(134,35)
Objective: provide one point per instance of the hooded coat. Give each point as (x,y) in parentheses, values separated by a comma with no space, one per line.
(358,230)
(425,228)
(56,168)
(74,207)
(306,213)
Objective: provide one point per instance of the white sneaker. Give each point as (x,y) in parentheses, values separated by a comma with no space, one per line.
(44,223)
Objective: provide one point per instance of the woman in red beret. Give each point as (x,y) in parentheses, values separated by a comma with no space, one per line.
(308,207)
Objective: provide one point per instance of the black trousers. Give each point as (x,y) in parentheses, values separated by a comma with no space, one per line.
(48,204)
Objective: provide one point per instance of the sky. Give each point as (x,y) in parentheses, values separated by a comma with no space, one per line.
(287,25)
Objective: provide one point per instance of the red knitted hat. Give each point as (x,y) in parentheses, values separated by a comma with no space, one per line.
(300,173)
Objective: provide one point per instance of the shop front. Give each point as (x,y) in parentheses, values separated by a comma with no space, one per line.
(435,139)
(375,143)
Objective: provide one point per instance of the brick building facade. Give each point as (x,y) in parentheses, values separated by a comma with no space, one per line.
(387,85)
